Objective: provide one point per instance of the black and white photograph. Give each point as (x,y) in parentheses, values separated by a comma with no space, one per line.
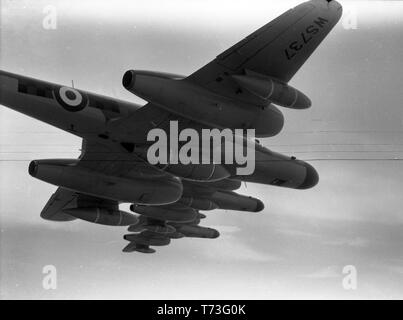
(201,150)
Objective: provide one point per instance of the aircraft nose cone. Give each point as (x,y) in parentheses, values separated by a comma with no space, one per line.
(311,178)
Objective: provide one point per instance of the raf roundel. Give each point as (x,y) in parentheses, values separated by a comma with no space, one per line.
(70,99)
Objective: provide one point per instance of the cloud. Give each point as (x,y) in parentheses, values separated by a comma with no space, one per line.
(397,269)
(231,248)
(296,233)
(226,229)
(357,242)
(393,266)
(325,273)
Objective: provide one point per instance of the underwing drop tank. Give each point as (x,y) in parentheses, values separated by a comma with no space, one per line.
(103,216)
(275,91)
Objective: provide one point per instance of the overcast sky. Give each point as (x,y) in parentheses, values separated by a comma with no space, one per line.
(298,246)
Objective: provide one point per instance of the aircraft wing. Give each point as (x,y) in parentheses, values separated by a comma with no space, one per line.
(277,49)
(113,159)
(106,159)
(135,127)
(63,200)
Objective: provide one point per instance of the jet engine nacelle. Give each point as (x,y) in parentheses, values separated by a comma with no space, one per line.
(270,89)
(197,172)
(228,200)
(198,203)
(169,213)
(153,225)
(103,216)
(187,99)
(68,174)
(176,235)
(197,231)
(166,229)
(147,239)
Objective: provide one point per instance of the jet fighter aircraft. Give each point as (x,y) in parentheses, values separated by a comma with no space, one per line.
(238,89)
